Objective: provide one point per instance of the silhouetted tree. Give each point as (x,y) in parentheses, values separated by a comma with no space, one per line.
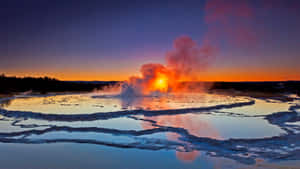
(45,84)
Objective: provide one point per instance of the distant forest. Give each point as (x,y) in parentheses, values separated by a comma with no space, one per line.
(10,84)
(280,87)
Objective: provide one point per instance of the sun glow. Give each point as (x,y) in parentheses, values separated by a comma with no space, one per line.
(161,84)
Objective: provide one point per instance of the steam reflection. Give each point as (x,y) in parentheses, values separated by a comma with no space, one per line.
(194,126)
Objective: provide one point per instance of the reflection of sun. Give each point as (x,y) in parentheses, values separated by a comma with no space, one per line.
(187,156)
(161,84)
(195,126)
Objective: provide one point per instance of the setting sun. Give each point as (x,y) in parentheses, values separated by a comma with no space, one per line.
(161,84)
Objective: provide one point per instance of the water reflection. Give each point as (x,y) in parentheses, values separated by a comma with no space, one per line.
(64,104)
(214,125)
(194,126)
(93,103)
(187,156)
(5,103)
(176,101)
(147,103)
(207,125)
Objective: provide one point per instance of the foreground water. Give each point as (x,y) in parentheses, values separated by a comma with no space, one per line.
(97,130)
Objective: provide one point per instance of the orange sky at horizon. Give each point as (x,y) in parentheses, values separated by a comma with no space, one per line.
(208,75)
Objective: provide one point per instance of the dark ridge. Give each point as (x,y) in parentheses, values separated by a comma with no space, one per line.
(43,85)
(265,87)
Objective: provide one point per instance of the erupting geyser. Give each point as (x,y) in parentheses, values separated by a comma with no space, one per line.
(182,63)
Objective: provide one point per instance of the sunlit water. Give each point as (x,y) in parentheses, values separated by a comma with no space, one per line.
(92,103)
(172,131)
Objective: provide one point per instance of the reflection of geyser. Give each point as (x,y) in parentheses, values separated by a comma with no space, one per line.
(131,97)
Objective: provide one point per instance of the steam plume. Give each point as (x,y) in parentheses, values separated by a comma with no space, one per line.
(183,62)
(228,21)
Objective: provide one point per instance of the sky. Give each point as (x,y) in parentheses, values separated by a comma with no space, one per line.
(254,40)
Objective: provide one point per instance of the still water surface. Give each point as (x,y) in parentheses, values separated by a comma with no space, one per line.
(97,130)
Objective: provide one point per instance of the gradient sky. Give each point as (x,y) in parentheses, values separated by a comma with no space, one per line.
(111,39)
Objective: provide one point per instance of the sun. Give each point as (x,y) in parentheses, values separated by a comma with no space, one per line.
(161,84)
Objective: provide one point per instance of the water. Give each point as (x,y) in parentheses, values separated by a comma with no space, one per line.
(92,103)
(173,131)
